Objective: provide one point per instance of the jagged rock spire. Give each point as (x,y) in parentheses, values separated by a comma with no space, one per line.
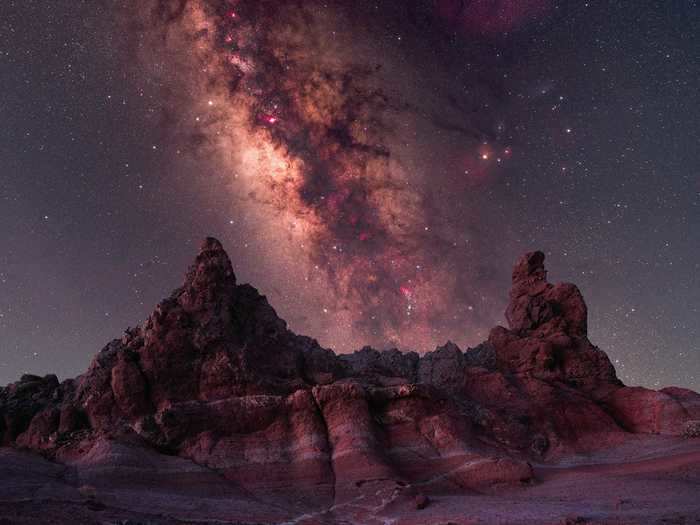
(210,277)
(212,266)
(529,268)
(215,376)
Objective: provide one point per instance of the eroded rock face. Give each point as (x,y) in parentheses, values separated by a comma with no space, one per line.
(215,376)
(540,307)
(547,335)
(647,411)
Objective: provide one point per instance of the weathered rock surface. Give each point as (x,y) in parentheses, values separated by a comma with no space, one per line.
(214,377)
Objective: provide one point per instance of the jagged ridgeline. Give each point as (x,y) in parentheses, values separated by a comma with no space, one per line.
(215,376)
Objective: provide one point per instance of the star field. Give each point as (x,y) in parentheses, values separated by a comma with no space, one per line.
(374,168)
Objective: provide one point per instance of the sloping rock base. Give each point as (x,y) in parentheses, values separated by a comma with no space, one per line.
(212,410)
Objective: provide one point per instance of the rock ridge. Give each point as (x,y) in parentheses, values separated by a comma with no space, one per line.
(214,375)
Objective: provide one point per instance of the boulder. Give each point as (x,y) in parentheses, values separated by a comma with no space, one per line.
(421,501)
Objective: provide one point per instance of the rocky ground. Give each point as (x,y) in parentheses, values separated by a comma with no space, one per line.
(213,411)
(651,479)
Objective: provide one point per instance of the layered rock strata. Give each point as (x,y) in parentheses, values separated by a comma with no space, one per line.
(216,377)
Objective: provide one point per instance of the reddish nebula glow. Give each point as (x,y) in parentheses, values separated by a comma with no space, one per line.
(492,16)
(305,131)
(406,291)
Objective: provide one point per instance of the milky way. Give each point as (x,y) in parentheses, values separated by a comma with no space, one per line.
(308,127)
(373,167)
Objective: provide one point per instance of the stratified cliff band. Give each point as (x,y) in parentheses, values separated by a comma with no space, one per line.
(215,376)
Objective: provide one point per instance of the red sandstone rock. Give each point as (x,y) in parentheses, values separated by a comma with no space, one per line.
(215,376)
(483,473)
(647,411)
(537,304)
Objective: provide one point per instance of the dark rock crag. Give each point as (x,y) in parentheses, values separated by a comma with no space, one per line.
(216,377)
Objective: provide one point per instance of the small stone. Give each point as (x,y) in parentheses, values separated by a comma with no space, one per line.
(422,501)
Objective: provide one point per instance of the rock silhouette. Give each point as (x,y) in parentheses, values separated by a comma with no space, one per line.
(215,377)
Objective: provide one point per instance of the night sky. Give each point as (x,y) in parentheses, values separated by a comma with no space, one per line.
(374,168)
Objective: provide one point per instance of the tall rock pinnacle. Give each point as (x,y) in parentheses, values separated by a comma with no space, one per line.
(210,278)
(536,304)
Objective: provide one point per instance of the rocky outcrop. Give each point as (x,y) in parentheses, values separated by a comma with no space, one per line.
(215,376)
(648,411)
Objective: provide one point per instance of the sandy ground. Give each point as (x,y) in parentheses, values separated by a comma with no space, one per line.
(648,480)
